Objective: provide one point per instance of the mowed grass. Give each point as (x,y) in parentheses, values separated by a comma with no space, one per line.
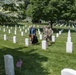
(35,60)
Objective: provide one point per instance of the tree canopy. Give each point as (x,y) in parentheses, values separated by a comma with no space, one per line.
(48,10)
(52,10)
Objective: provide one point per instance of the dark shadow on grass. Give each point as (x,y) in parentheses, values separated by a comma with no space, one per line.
(38,43)
(31,61)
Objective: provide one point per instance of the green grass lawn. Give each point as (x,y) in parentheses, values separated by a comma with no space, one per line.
(35,60)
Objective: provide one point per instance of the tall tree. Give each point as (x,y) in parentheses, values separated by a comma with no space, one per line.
(52,10)
(66,10)
(34,10)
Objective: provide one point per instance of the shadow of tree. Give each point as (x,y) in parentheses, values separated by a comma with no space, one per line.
(32,61)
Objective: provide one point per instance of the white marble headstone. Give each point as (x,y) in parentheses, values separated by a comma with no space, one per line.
(57,34)
(4,30)
(69,39)
(53,38)
(28,29)
(5,38)
(7,26)
(23,27)
(15,32)
(9,31)
(25,30)
(69,47)
(11,27)
(19,26)
(15,28)
(9,65)
(3,25)
(65,25)
(69,34)
(40,36)
(20,29)
(68,71)
(39,32)
(44,44)
(22,33)
(14,39)
(26,41)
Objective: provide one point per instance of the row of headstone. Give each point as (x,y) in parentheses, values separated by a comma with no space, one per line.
(15,32)
(27,43)
(15,40)
(65,25)
(16,28)
(61,25)
(59,33)
(14,37)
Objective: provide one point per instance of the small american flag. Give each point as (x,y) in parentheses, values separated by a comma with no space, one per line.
(19,63)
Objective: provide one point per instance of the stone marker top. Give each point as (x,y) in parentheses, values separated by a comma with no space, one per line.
(8,55)
(70,70)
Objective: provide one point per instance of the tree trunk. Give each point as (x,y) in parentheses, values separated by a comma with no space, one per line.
(51,24)
(67,23)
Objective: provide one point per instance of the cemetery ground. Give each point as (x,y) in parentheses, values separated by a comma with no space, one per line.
(37,61)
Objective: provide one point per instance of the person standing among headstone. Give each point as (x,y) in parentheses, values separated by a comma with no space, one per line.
(49,34)
(33,36)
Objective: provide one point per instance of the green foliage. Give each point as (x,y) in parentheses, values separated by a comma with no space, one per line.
(34,10)
(48,10)
(66,9)
(52,10)
(4,18)
(10,7)
(13,12)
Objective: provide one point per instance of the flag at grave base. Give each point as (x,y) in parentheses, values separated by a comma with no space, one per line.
(19,63)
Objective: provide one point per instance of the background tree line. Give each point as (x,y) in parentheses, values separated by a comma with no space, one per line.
(48,10)
(52,10)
